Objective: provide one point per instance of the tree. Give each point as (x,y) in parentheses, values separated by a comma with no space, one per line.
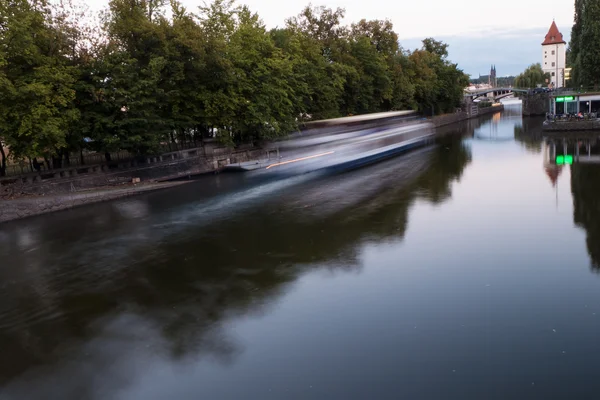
(316,43)
(588,57)
(36,90)
(322,24)
(217,22)
(439,84)
(583,55)
(368,83)
(380,34)
(574,45)
(5,86)
(153,73)
(506,81)
(382,38)
(138,75)
(263,100)
(532,77)
(403,91)
(188,59)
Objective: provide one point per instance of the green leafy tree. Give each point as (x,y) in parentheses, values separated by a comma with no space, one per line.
(506,81)
(532,77)
(573,52)
(37,89)
(320,42)
(322,24)
(381,35)
(5,87)
(403,90)
(318,83)
(187,59)
(368,83)
(583,55)
(218,23)
(589,54)
(153,73)
(439,84)
(263,99)
(138,75)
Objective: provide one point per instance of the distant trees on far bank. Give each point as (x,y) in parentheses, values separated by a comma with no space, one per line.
(502,81)
(152,72)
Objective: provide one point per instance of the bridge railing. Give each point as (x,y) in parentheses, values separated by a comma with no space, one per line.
(481,92)
(580,90)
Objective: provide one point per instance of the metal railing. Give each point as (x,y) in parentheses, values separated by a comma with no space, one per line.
(97,162)
(23,167)
(571,91)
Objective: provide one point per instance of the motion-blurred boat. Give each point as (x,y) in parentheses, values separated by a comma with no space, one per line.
(342,143)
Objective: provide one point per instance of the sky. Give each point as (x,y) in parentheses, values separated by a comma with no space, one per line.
(506,33)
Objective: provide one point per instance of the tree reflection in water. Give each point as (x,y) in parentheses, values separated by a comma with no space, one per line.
(530,134)
(585,182)
(585,187)
(64,292)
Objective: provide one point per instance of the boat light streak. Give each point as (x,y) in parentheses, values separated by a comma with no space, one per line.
(300,159)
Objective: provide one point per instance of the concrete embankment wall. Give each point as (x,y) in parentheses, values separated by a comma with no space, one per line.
(448,119)
(167,167)
(29,195)
(31,206)
(535,104)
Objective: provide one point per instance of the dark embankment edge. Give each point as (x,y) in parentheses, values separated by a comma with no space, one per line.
(25,207)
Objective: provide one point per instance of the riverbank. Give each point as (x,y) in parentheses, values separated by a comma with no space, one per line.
(448,119)
(23,207)
(35,198)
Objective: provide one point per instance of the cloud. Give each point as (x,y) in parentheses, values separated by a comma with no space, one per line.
(479,34)
(510,50)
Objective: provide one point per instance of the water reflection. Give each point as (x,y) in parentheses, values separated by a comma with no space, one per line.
(502,125)
(529,133)
(552,169)
(132,208)
(585,186)
(449,272)
(575,147)
(584,150)
(78,287)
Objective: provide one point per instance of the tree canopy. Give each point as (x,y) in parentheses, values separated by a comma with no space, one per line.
(533,76)
(584,54)
(153,72)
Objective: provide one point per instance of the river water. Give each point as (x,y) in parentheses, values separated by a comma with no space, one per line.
(465,270)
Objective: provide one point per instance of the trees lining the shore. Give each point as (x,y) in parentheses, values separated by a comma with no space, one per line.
(152,72)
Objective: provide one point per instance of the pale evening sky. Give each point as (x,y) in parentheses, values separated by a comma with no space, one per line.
(507,33)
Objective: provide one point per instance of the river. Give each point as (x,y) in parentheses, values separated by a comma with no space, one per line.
(465,270)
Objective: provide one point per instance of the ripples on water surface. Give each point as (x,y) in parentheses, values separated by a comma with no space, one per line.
(464,270)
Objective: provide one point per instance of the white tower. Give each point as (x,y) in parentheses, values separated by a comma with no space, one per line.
(554,56)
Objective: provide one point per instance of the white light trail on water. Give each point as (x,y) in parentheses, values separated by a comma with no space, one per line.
(300,159)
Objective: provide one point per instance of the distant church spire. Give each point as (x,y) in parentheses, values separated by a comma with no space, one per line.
(492,77)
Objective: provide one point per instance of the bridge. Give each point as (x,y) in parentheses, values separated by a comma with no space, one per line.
(497,93)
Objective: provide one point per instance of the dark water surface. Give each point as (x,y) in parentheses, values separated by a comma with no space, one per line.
(467,270)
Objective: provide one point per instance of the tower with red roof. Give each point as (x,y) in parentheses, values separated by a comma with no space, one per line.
(554,56)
